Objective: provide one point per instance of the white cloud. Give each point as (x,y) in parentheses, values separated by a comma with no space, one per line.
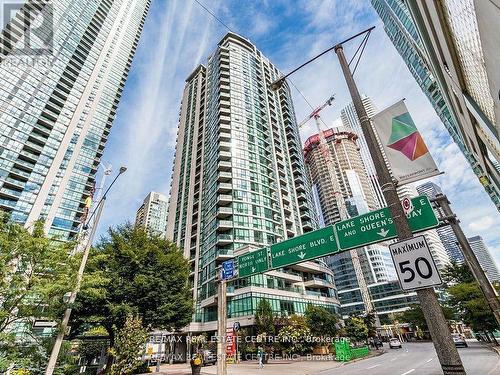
(482,224)
(178,35)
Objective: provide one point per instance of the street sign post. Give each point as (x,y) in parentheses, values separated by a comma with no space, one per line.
(311,245)
(227,270)
(377,226)
(414,264)
(253,262)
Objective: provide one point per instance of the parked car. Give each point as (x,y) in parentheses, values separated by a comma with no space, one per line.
(394,343)
(459,340)
(209,357)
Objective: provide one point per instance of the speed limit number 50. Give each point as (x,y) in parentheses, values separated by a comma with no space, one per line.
(414,264)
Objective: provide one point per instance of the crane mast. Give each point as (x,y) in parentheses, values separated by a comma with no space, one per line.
(339,198)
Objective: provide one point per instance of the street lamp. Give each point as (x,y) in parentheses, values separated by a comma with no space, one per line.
(67,314)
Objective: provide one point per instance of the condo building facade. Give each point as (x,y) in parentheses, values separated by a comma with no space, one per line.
(63,66)
(485,259)
(239,184)
(152,214)
(445,233)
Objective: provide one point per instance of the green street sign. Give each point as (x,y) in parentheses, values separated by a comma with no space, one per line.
(311,245)
(377,226)
(253,262)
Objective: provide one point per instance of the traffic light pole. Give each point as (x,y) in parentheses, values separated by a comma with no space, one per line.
(222,323)
(489,292)
(451,363)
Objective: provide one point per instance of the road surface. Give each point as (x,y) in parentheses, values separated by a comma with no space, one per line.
(421,359)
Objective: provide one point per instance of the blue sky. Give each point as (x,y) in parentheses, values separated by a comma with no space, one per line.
(179,35)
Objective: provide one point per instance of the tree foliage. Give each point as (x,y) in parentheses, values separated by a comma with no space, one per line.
(370,322)
(356,329)
(35,274)
(129,347)
(294,337)
(457,273)
(467,299)
(132,272)
(321,322)
(415,316)
(264,318)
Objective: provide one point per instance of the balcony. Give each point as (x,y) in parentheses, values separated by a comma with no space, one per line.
(311,267)
(225,120)
(224,199)
(225,155)
(28,155)
(224,146)
(307,225)
(224,166)
(222,255)
(20,173)
(224,176)
(224,212)
(224,187)
(224,239)
(10,193)
(317,282)
(224,225)
(14,182)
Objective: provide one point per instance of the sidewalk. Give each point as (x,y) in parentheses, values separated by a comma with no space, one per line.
(301,366)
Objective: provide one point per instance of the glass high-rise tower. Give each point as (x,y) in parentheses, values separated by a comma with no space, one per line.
(239,183)
(446,234)
(152,214)
(63,66)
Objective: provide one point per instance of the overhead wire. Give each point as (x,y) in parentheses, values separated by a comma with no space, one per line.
(213,15)
(229,29)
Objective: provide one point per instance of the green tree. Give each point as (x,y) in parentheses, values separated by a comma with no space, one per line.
(370,321)
(92,344)
(415,316)
(321,322)
(264,318)
(132,272)
(467,299)
(35,274)
(457,273)
(295,336)
(356,329)
(129,346)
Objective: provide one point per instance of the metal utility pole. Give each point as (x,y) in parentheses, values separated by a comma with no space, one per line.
(489,292)
(67,314)
(222,323)
(451,363)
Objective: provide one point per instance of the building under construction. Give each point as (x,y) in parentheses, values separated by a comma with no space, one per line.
(343,188)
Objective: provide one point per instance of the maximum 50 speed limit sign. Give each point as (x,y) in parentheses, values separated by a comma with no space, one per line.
(414,264)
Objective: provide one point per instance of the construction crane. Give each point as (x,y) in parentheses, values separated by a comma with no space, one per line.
(339,196)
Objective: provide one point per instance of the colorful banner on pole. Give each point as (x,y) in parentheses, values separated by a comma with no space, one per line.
(404,147)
